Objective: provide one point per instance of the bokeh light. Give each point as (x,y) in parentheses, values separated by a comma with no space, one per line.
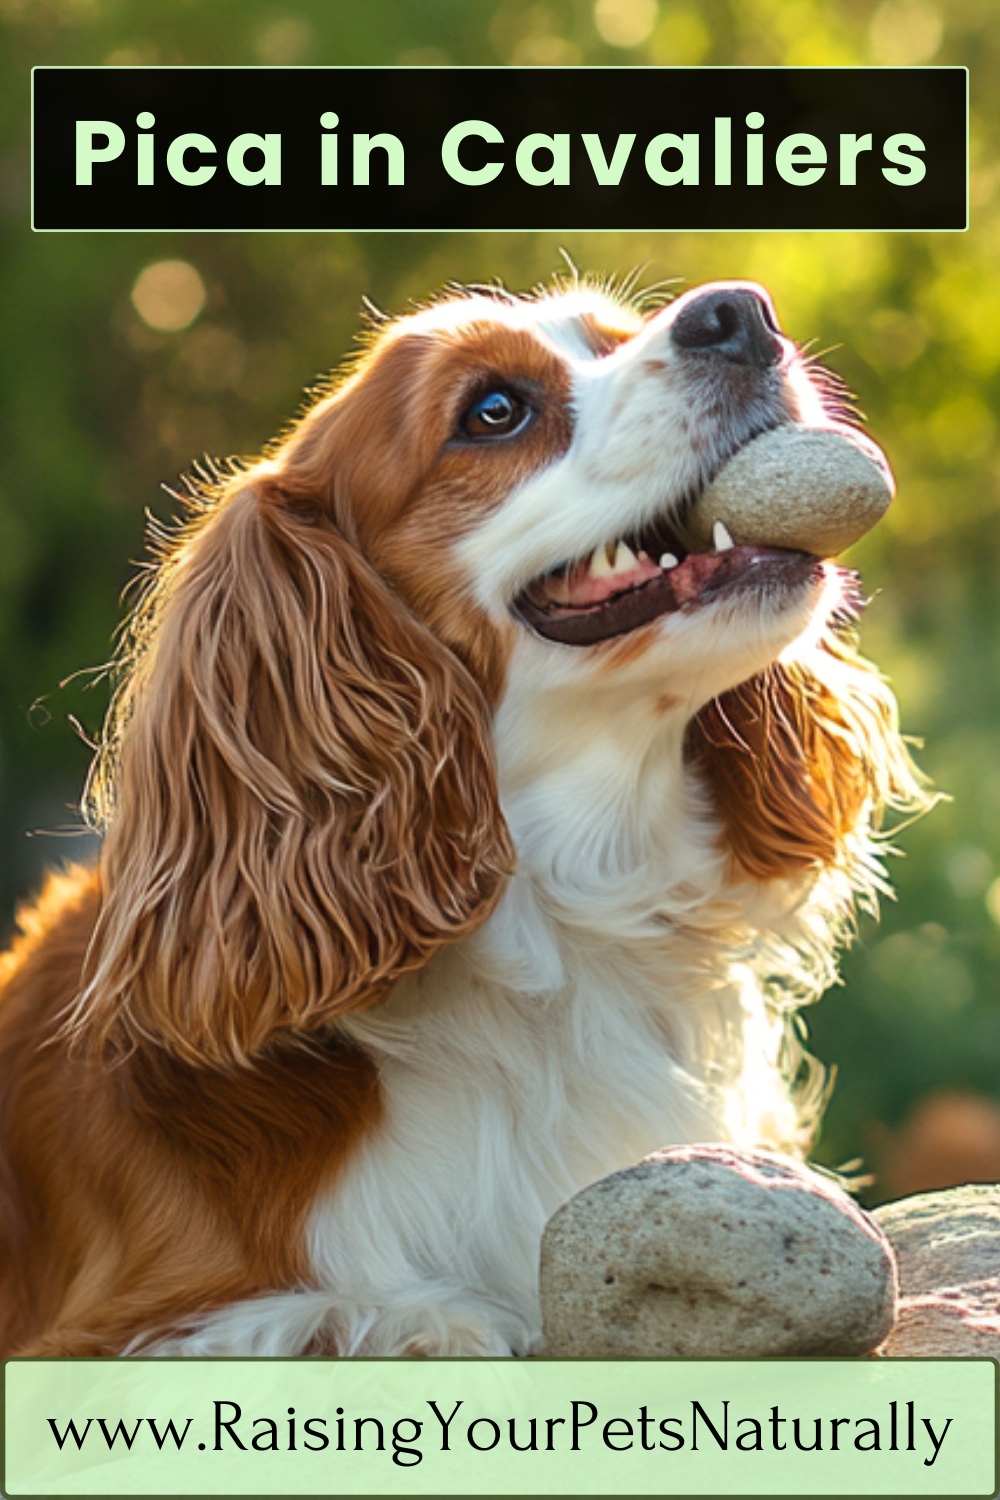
(905,32)
(626,23)
(169,295)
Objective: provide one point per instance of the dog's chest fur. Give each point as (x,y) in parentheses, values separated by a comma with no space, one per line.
(605,1009)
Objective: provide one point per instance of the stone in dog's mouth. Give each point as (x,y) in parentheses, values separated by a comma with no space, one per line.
(632,581)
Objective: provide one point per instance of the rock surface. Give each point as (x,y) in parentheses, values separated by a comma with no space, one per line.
(705,1251)
(814,489)
(948,1248)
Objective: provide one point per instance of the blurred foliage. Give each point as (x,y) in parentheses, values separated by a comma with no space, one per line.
(100,409)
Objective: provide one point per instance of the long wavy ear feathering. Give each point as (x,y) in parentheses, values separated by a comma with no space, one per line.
(801,758)
(296,784)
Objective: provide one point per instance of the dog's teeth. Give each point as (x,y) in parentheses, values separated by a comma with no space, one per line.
(721,540)
(668,560)
(610,558)
(625,558)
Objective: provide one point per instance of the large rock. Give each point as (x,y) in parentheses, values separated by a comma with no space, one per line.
(948,1248)
(705,1251)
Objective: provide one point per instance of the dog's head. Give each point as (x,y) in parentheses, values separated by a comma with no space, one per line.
(514,466)
(299,776)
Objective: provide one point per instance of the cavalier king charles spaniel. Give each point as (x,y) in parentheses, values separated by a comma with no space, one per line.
(468,836)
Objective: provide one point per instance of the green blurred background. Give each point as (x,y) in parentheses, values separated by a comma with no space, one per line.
(119,370)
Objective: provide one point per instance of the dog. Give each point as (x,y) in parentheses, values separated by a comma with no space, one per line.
(467,837)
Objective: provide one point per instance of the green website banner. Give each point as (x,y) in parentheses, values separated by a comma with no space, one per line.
(500,1427)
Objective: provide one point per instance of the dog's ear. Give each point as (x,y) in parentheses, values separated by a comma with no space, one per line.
(801,757)
(298,789)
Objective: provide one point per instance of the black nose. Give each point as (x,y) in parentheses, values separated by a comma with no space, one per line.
(735,322)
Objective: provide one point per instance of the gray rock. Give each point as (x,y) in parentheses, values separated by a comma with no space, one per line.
(818,489)
(948,1248)
(706,1251)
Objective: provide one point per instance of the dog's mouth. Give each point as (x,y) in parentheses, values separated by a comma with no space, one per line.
(630,582)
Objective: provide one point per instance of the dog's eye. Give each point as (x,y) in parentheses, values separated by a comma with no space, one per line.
(497,414)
